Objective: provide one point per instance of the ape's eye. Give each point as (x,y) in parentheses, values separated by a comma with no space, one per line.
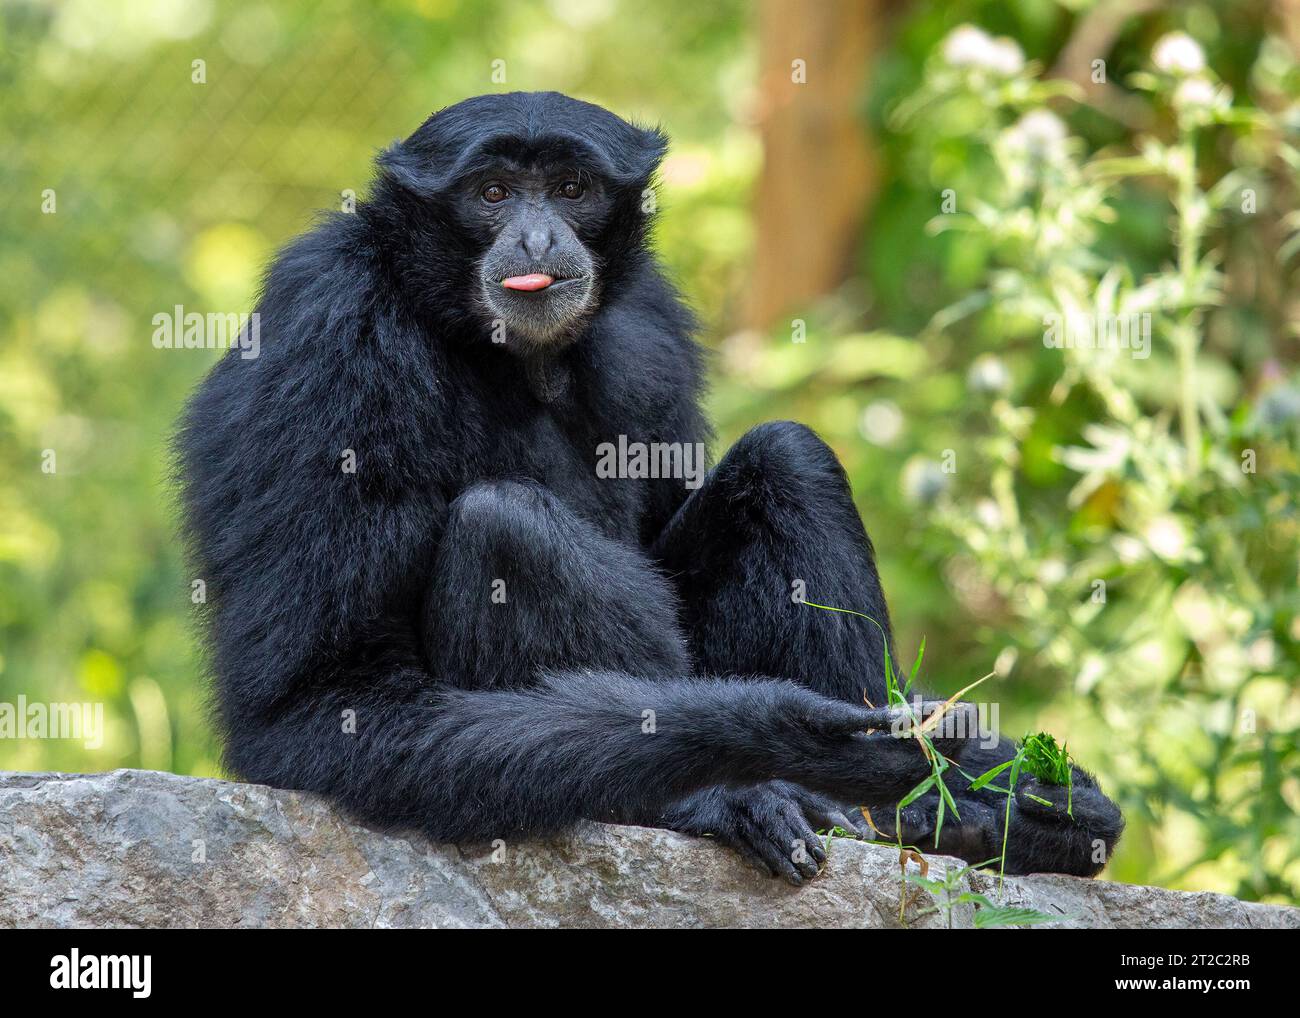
(571,189)
(494,193)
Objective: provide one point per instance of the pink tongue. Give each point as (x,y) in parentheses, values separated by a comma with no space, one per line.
(532,281)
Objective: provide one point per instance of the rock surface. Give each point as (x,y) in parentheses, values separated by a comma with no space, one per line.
(141,848)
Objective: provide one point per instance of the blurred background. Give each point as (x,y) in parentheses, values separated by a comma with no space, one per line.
(874,206)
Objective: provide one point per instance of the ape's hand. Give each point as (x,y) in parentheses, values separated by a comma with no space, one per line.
(772,825)
(863,755)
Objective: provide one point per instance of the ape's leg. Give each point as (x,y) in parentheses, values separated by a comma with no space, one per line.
(522,585)
(357,714)
(773,522)
(406,746)
(776,511)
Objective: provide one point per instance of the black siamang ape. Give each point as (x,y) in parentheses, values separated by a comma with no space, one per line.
(427,602)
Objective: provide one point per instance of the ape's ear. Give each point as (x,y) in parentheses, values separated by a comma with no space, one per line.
(650,152)
(410,169)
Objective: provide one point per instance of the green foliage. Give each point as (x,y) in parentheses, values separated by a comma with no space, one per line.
(988,914)
(896,695)
(1152,579)
(1091,517)
(1045,760)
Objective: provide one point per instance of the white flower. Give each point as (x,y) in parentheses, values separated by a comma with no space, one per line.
(1039,133)
(1006,57)
(881,423)
(1178,53)
(988,514)
(1043,127)
(988,374)
(1262,653)
(1129,549)
(1167,537)
(1194,93)
(1051,572)
(968,46)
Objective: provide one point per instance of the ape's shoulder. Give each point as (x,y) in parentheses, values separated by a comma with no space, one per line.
(650,370)
(331,277)
(339,367)
(645,335)
(330,318)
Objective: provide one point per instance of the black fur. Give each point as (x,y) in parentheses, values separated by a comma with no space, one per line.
(369,594)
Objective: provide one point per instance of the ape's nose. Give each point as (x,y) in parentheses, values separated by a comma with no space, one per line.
(537,242)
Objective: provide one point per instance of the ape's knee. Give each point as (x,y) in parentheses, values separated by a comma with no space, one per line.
(784,447)
(491,514)
(782,460)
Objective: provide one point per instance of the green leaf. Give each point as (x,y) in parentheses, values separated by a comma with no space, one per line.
(916,792)
(989,916)
(929,883)
(989,775)
(938,819)
(946,796)
(916,667)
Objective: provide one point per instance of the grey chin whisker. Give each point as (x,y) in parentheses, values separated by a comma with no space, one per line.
(545,322)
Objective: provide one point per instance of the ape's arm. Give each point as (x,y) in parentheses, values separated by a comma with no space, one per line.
(309,477)
(465,765)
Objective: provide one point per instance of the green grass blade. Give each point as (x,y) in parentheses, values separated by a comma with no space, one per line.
(978,783)
(916,667)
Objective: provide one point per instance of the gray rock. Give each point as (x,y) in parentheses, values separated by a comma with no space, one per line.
(144,849)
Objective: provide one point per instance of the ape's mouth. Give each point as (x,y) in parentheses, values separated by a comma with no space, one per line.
(539,306)
(533,282)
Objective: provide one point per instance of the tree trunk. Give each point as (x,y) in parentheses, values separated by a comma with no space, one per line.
(818,171)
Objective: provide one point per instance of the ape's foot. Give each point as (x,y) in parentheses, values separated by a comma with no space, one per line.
(772,825)
(1053,829)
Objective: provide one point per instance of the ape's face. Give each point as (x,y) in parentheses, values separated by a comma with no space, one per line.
(530,209)
(538,279)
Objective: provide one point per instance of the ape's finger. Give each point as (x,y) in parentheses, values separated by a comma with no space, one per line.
(913,824)
(765,842)
(1085,806)
(835,818)
(838,718)
(826,813)
(799,829)
(1037,799)
(789,831)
